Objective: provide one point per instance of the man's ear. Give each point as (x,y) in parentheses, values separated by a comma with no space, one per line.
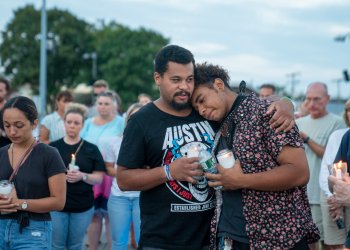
(219,84)
(157,77)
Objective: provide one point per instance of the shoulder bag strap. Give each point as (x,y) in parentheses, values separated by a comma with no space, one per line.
(24,157)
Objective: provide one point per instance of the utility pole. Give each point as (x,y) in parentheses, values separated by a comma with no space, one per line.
(338,82)
(293,81)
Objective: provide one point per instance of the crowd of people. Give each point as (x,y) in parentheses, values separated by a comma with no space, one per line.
(133,174)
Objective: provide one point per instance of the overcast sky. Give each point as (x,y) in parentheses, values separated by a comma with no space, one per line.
(258,41)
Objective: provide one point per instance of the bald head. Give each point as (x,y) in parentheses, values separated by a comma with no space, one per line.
(317,99)
(319,86)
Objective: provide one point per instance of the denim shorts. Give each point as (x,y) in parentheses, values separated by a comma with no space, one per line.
(36,236)
(100,203)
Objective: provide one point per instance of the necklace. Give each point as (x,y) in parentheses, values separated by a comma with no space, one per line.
(23,156)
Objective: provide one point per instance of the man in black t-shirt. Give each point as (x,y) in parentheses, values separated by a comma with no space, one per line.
(175,208)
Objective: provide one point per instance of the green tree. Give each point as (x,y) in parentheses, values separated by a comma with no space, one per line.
(68,39)
(125,59)
(125,56)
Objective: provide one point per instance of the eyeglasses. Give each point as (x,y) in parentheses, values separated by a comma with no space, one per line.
(107,93)
(315,99)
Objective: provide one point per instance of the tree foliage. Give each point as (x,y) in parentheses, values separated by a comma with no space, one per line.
(68,39)
(126,59)
(125,56)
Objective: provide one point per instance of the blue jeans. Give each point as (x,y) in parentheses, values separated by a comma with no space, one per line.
(122,211)
(69,229)
(36,236)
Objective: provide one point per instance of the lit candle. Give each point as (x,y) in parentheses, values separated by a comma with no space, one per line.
(338,170)
(193,151)
(226,158)
(73,160)
(344,168)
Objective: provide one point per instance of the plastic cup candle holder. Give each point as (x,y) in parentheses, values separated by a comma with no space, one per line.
(226,158)
(193,150)
(5,187)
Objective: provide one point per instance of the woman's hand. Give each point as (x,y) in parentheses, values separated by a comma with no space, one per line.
(8,203)
(74,176)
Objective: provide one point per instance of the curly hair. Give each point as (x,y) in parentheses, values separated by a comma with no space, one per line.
(206,73)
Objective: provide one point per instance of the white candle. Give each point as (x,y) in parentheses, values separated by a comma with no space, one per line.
(344,168)
(338,173)
(193,151)
(5,187)
(226,158)
(338,170)
(73,167)
(73,160)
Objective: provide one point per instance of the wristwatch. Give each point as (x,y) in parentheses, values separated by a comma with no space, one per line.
(306,140)
(85,177)
(24,205)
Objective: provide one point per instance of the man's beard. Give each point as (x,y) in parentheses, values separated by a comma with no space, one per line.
(180,106)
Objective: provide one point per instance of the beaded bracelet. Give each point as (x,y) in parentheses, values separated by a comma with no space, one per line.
(167,173)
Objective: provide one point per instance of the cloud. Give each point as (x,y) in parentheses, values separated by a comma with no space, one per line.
(205,48)
(256,69)
(305,4)
(275,18)
(336,29)
(289,4)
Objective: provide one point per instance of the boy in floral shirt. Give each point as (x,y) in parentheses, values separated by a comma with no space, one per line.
(265,205)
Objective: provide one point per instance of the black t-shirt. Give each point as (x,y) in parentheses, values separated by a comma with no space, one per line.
(343,153)
(4,141)
(174,215)
(80,196)
(232,222)
(31,181)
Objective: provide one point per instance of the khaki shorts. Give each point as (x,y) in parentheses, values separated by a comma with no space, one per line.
(333,235)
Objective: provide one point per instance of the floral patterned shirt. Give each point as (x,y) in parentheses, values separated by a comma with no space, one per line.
(275,220)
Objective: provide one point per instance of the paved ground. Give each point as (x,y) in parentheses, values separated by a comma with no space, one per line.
(102,245)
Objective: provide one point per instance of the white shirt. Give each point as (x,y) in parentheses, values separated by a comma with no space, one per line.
(54,123)
(328,158)
(112,156)
(319,131)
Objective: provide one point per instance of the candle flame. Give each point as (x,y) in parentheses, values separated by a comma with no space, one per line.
(338,165)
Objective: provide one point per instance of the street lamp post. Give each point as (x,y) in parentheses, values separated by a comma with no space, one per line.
(43,57)
(93,57)
(342,38)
